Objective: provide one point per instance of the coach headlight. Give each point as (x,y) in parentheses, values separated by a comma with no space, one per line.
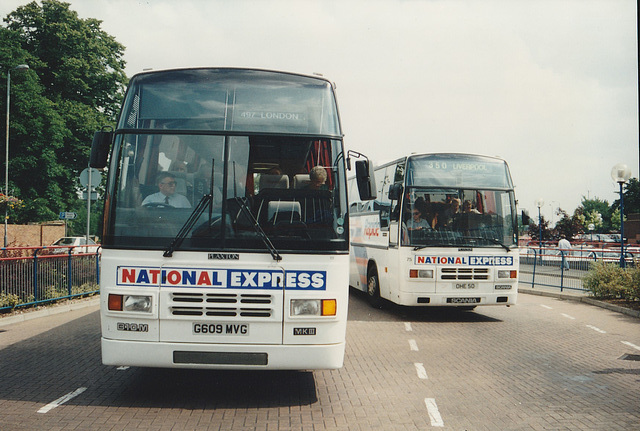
(421,273)
(137,303)
(313,307)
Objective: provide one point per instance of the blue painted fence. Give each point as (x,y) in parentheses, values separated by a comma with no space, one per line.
(37,275)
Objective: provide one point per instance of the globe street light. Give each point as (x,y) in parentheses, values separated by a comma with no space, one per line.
(621,174)
(6,159)
(539,203)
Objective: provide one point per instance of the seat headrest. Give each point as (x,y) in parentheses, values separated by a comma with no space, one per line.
(273,181)
(300,181)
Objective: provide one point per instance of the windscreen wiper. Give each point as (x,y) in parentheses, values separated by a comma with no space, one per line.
(493,240)
(186,227)
(256,226)
(420,247)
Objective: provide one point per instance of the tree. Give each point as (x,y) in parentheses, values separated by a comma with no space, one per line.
(615,220)
(534,229)
(36,134)
(591,208)
(74,86)
(569,226)
(631,195)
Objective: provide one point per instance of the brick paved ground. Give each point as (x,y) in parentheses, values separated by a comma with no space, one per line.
(538,365)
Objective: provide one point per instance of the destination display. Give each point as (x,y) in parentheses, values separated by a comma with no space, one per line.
(452,171)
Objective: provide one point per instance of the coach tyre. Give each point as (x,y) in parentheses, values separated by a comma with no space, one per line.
(373,287)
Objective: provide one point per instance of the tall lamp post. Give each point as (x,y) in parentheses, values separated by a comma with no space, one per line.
(6,148)
(539,204)
(621,174)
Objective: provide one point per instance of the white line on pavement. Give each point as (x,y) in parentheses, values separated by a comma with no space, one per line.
(631,345)
(434,414)
(546,306)
(596,329)
(422,373)
(407,326)
(61,400)
(567,316)
(413,345)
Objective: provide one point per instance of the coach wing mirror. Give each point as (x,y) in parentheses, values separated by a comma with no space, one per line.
(395,192)
(366,180)
(100,148)
(526,220)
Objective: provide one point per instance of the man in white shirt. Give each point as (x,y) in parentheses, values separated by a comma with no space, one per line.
(167,195)
(565,247)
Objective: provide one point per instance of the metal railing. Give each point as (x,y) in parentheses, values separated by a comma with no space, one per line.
(37,275)
(564,269)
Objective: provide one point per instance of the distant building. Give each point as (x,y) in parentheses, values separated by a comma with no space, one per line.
(632,228)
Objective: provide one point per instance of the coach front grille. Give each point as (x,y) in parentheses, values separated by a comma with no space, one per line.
(221,304)
(464,273)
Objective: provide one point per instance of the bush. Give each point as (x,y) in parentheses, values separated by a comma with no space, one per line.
(608,281)
(9,300)
(634,289)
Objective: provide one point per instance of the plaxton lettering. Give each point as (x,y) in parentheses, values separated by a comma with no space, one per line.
(221,278)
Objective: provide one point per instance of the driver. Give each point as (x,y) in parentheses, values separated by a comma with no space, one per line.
(167,195)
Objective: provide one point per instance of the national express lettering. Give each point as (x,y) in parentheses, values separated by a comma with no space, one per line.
(465,260)
(220,278)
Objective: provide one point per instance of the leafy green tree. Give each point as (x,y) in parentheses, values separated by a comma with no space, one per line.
(615,220)
(36,134)
(74,87)
(591,208)
(631,195)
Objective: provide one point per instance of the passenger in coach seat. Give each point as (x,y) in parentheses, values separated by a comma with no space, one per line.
(166,195)
(318,177)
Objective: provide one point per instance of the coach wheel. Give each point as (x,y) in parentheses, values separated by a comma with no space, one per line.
(373,288)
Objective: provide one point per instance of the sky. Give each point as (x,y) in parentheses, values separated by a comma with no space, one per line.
(549,86)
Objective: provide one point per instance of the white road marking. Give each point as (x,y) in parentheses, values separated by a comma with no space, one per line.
(568,317)
(596,329)
(546,306)
(631,345)
(422,373)
(407,326)
(413,345)
(434,414)
(61,400)
(122,368)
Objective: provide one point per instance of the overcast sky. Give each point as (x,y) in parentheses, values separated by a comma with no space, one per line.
(550,86)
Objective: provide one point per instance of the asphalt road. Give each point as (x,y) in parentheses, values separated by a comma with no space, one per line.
(542,364)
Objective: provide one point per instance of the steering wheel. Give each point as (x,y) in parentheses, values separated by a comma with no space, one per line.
(157,205)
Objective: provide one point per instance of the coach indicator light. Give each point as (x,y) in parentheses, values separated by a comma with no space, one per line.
(508,273)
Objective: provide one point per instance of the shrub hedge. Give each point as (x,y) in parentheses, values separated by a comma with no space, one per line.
(608,281)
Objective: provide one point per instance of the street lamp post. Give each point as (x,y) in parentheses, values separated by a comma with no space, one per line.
(539,204)
(621,174)
(6,148)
